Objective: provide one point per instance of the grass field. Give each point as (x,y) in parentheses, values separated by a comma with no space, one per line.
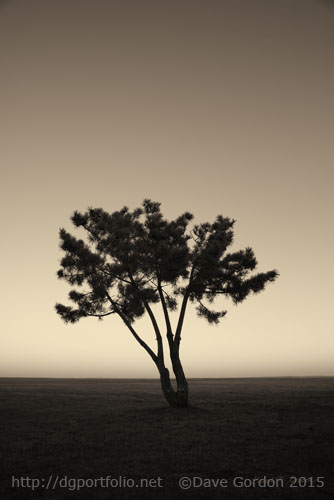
(92,428)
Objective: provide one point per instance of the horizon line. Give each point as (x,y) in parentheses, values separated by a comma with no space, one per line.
(172,378)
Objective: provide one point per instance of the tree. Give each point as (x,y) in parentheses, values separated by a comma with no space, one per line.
(132,260)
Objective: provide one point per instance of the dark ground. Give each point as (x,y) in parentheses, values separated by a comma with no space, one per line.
(86,428)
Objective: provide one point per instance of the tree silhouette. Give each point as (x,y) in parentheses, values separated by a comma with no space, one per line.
(135,259)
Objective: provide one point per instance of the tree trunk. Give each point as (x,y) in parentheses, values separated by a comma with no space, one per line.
(181,381)
(178,398)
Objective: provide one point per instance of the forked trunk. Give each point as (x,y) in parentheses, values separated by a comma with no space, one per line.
(176,398)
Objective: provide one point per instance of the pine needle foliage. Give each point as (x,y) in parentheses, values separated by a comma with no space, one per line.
(130,255)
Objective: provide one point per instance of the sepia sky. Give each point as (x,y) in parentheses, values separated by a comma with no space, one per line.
(214,107)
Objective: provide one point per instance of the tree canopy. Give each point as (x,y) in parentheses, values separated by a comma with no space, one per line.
(131,255)
(133,259)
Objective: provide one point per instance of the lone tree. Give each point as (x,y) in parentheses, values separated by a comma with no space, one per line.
(132,260)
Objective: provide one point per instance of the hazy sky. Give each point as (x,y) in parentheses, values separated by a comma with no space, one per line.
(215,107)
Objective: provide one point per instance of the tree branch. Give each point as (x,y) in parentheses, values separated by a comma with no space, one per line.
(177,338)
(153,320)
(101,315)
(133,331)
(166,315)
